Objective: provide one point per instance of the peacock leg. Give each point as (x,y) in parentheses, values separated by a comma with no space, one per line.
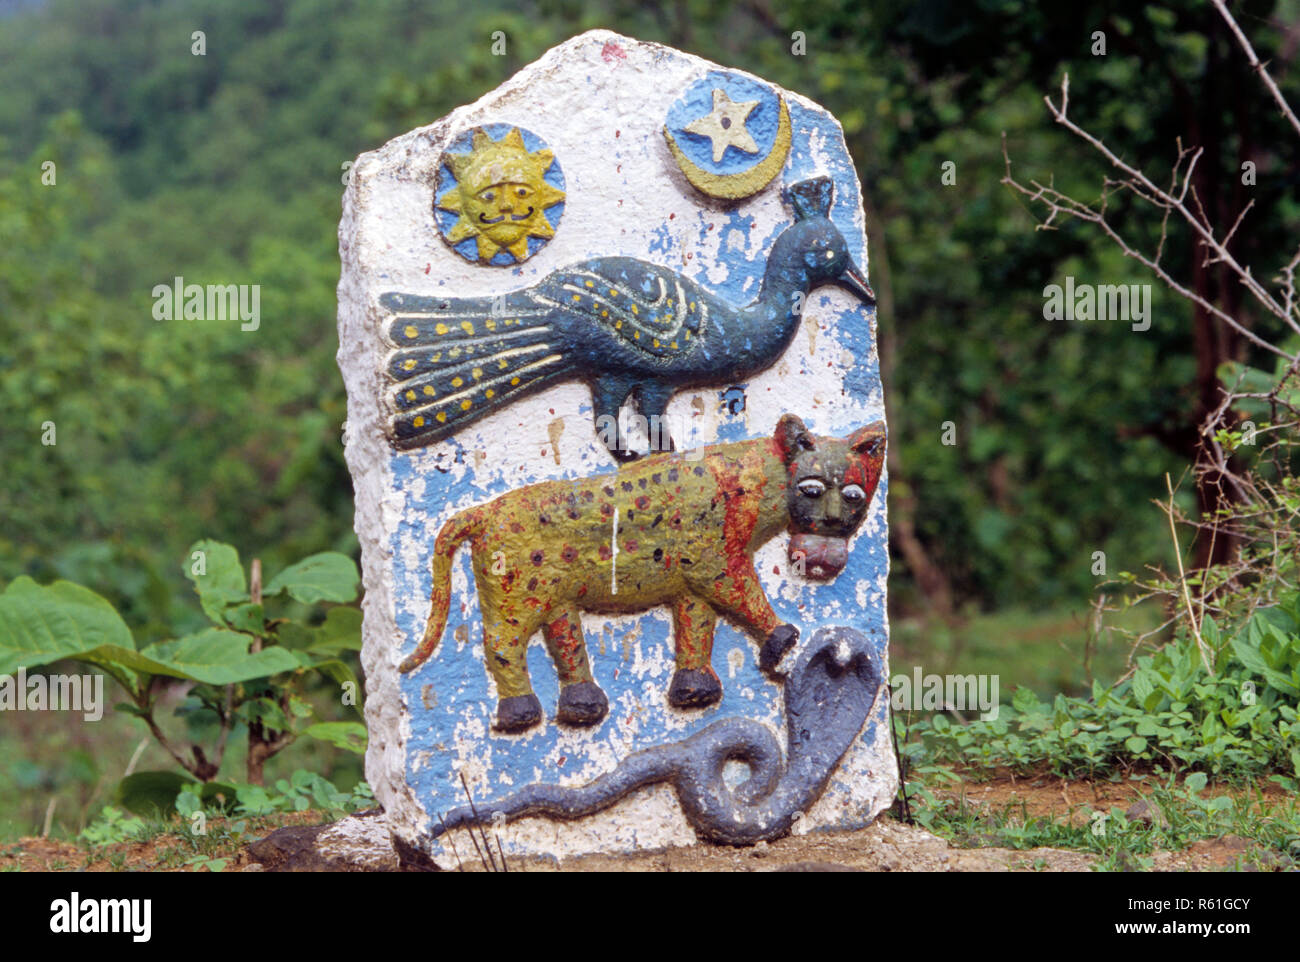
(607,396)
(652,399)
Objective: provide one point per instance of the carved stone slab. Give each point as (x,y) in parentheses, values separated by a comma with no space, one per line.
(615,428)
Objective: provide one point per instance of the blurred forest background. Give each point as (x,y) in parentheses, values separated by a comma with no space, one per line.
(228,168)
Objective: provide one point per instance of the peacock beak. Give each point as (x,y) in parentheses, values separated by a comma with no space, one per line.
(856,284)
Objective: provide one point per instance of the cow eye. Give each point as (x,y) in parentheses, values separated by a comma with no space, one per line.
(811,488)
(854,494)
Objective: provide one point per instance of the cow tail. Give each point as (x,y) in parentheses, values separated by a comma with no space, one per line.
(457,529)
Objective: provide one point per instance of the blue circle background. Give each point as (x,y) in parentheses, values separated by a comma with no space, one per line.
(761,123)
(447,182)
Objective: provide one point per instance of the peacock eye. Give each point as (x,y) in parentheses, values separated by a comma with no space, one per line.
(854,494)
(812,488)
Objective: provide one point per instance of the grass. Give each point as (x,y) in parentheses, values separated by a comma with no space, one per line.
(1046,651)
(158,845)
(1183,813)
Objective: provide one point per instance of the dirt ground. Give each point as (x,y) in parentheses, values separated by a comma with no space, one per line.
(297,842)
(1072,801)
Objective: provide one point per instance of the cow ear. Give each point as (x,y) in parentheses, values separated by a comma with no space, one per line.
(792,437)
(869,440)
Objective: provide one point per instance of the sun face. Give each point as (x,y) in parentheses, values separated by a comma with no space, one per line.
(501,195)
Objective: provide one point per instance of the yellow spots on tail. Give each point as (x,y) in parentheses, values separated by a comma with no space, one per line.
(490,324)
(428,391)
(514,381)
(457,381)
(590,284)
(408,364)
(442,417)
(440,327)
(477,372)
(467,327)
(410,330)
(577,298)
(489,393)
(410,395)
(502,364)
(634,310)
(466,404)
(418,420)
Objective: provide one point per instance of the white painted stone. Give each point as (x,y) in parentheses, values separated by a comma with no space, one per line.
(599,101)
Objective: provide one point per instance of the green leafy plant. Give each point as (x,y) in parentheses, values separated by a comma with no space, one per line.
(249,668)
(112,826)
(1169,711)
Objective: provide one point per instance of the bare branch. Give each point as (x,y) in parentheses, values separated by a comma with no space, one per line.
(1258,67)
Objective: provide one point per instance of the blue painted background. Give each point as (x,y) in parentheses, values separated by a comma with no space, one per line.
(460,701)
(698,101)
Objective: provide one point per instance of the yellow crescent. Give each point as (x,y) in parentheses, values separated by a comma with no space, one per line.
(744,183)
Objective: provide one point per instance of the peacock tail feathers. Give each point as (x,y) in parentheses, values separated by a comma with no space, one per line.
(458,359)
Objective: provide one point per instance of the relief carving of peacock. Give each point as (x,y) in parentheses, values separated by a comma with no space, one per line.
(626,327)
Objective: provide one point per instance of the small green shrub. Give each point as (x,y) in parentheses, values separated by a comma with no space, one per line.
(1169,712)
(249,668)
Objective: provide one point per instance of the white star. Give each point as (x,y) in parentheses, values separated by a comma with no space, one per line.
(725,125)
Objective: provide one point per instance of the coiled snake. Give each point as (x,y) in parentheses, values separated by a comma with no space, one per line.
(829,694)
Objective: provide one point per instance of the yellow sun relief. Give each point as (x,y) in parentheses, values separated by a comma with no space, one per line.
(501,195)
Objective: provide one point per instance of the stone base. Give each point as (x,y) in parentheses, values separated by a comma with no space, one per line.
(362,843)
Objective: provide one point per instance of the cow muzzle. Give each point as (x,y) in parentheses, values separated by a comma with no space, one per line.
(822,558)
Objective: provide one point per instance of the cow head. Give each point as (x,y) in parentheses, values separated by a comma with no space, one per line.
(829,489)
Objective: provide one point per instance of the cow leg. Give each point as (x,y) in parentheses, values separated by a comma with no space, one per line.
(695,684)
(745,605)
(581,700)
(505,649)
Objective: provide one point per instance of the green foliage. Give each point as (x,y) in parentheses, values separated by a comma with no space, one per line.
(112,826)
(169,431)
(240,671)
(210,825)
(1241,720)
(303,790)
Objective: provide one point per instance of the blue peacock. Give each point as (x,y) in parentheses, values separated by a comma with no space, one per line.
(626,327)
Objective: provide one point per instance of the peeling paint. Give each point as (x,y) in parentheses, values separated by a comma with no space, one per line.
(621,197)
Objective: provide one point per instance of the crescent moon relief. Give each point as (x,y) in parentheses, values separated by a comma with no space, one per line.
(742,183)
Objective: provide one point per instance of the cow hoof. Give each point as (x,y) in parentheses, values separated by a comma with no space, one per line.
(582,703)
(694,688)
(518,712)
(780,641)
